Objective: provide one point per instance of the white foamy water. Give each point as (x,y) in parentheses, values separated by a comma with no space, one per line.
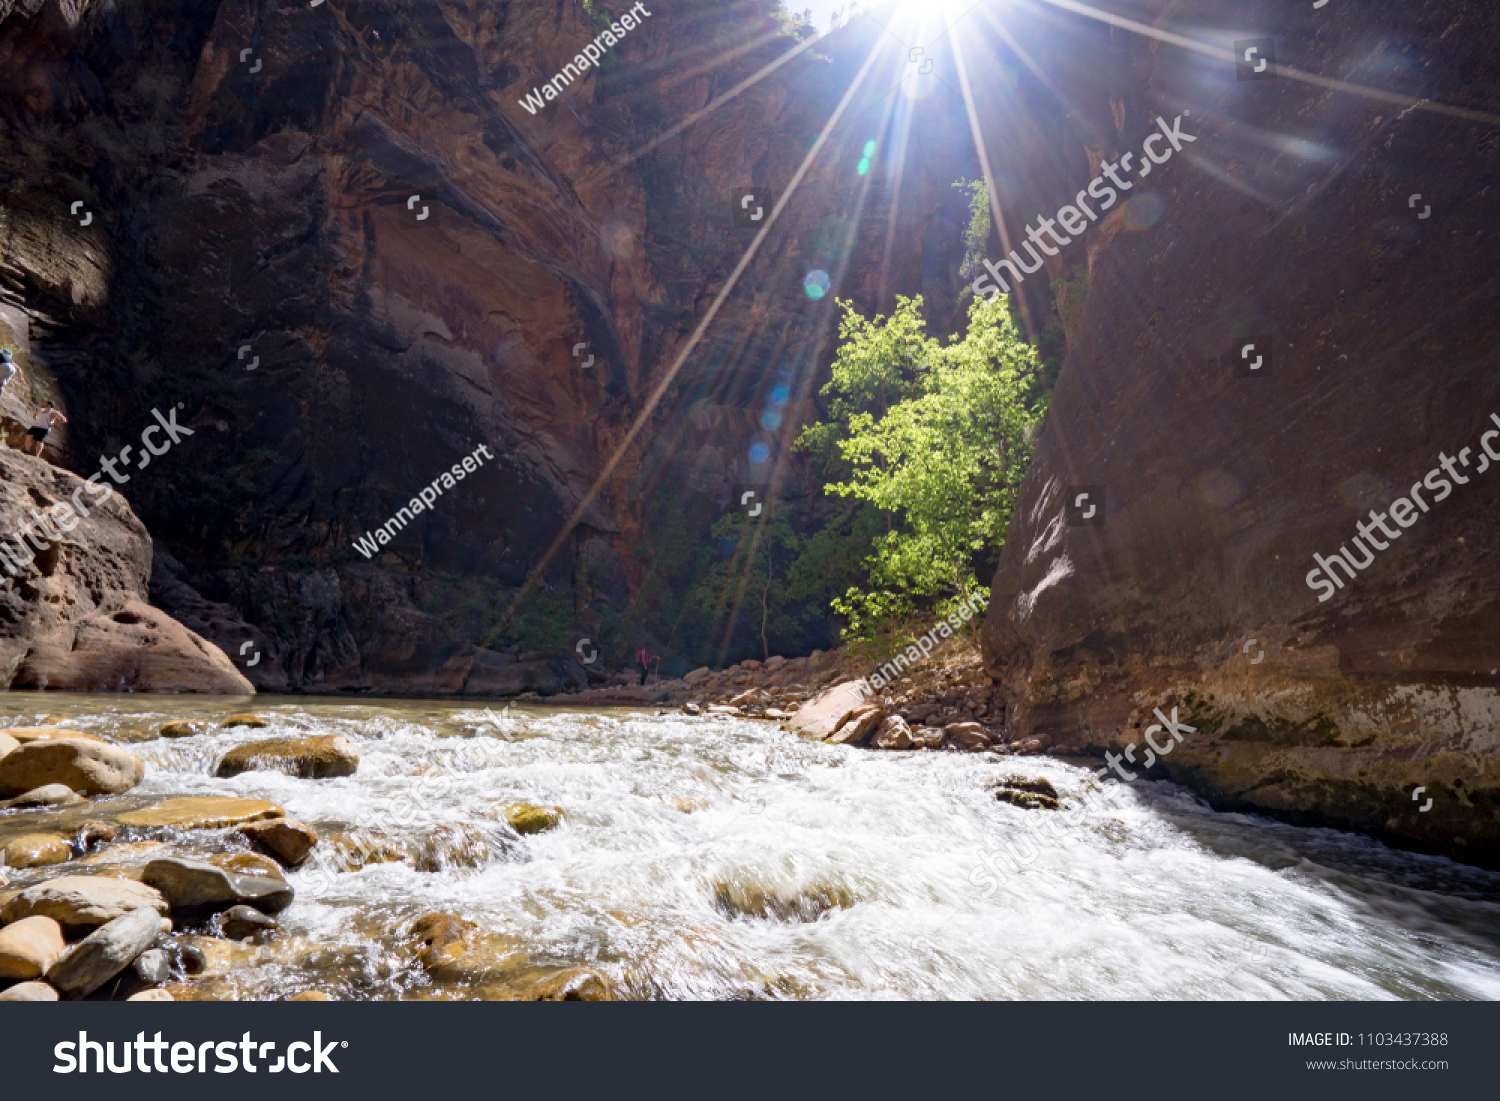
(724,858)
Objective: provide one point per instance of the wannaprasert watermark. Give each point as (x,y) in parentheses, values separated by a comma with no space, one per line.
(1076,218)
(65,516)
(920,647)
(382,535)
(536,99)
(1403,512)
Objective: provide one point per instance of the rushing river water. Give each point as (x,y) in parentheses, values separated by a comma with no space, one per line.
(725,858)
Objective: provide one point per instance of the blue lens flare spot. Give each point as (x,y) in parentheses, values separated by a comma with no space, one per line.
(816,284)
(760,451)
(780,393)
(869,149)
(770,420)
(864,166)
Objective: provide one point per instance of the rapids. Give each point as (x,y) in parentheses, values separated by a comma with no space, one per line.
(725,858)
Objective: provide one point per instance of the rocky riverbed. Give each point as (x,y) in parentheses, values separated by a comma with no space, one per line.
(426,850)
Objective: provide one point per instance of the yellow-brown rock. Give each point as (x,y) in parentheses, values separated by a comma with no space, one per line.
(311,758)
(527,818)
(205,812)
(29,946)
(36,850)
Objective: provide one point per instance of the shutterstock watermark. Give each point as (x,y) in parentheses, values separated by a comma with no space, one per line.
(1403,512)
(1077,217)
(74,1057)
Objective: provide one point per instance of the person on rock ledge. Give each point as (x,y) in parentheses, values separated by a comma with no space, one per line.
(46,419)
(646,657)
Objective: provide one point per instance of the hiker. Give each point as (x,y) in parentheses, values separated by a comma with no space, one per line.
(45,420)
(645,657)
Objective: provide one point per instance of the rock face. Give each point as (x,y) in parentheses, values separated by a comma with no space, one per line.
(82,900)
(1220,494)
(314,758)
(89,768)
(74,611)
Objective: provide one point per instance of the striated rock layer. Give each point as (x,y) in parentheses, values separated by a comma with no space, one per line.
(1293,222)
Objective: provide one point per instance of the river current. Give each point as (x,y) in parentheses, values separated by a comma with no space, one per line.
(724,858)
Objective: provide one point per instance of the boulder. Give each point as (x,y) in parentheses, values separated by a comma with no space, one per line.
(29,992)
(362,847)
(928,737)
(200,813)
(7,743)
(287,839)
(1027,747)
(525,818)
(775,664)
(104,953)
(196,888)
(311,758)
(244,718)
(822,715)
(697,675)
(88,767)
(35,850)
(152,996)
(894,733)
(240,922)
(152,967)
(182,729)
(48,795)
(858,726)
(28,734)
(29,946)
(691,708)
(83,900)
(970,737)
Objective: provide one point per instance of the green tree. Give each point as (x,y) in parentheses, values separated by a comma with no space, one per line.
(937,439)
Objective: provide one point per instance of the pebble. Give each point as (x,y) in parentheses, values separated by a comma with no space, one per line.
(48,795)
(240,922)
(525,818)
(183,729)
(153,967)
(244,718)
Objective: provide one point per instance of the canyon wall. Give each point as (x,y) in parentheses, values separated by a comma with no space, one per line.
(1348,237)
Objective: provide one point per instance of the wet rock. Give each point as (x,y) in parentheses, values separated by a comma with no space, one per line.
(431,934)
(197,888)
(29,946)
(83,900)
(453,846)
(312,758)
(775,664)
(152,966)
(29,992)
(859,726)
(777,714)
(287,839)
(579,984)
(1026,800)
(722,709)
(187,958)
(310,996)
(692,708)
(182,729)
(201,813)
(893,733)
(928,737)
(698,675)
(969,737)
(104,953)
(7,743)
(244,718)
(94,832)
(28,734)
(35,850)
(87,767)
(526,818)
(241,922)
(822,715)
(777,902)
(48,795)
(1027,748)
(248,864)
(358,848)
(152,996)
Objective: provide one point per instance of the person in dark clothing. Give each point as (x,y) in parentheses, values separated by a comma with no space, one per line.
(645,657)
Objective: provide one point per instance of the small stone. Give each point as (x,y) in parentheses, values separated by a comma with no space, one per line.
(93,832)
(48,795)
(777,714)
(1037,786)
(201,813)
(36,850)
(83,900)
(29,946)
(1026,800)
(244,718)
(453,846)
(525,818)
(88,767)
(692,708)
(859,726)
(239,922)
(152,967)
(775,664)
(1029,747)
(188,958)
(183,729)
(700,674)
(310,996)
(151,996)
(894,733)
(581,984)
(928,737)
(434,932)
(287,839)
(194,887)
(317,757)
(29,992)
(722,709)
(104,953)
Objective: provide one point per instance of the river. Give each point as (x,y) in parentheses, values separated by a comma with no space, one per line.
(712,857)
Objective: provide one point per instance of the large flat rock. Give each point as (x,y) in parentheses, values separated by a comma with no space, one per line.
(190,812)
(82,900)
(830,709)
